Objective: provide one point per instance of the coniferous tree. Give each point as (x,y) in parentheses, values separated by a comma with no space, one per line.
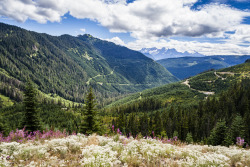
(1,103)
(189,138)
(158,123)
(144,125)
(133,124)
(218,134)
(122,123)
(2,126)
(90,122)
(30,121)
(237,128)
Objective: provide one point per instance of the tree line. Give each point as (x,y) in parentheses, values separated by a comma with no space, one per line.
(34,115)
(216,120)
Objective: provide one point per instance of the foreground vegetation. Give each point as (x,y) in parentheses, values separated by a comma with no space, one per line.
(117,150)
(217,121)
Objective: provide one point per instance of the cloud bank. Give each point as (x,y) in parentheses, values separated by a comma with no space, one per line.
(145,20)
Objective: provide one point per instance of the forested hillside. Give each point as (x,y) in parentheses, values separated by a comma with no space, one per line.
(185,67)
(212,107)
(213,114)
(66,66)
(192,89)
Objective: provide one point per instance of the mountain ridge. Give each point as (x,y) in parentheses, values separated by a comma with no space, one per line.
(164,53)
(67,65)
(185,67)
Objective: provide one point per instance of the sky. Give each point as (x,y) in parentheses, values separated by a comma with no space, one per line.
(210,27)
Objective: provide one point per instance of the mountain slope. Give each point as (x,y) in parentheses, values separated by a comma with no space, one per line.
(158,54)
(185,67)
(187,91)
(68,65)
(136,67)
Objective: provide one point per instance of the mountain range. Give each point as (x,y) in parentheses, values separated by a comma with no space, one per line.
(184,67)
(163,53)
(67,65)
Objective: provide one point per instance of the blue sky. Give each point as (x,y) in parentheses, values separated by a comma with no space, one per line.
(211,27)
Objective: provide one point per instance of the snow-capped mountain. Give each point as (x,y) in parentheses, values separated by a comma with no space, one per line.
(158,54)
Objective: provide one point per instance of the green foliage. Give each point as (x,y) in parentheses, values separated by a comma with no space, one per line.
(51,116)
(1,103)
(218,134)
(189,138)
(5,101)
(175,134)
(67,66)
(122,120)
(2,126)
(156,98)
(144,125)
(90,123)
(133,124)
(31,121)
(158,123)
(237,128)
(201,119)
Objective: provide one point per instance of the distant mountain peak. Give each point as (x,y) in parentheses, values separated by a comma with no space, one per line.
(164,53)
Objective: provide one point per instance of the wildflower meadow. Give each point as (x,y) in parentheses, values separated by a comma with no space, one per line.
(55,148)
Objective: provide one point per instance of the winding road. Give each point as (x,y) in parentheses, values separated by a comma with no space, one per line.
(99,75)
(204,92)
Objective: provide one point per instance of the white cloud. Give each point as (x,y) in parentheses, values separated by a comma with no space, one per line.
(241,35)
(205,48)
(145,20)
(116,40)
(142,18)
(21,10)
(83,30)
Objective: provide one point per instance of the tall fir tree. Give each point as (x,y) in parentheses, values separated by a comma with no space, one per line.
(30,121)
(1,103)
(218,134)
(158,123)
(90,122)
(122,123)
(2,126)
(238,128)
(144,123)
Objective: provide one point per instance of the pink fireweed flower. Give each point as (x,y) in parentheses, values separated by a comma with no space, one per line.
(240,141)
(22,135)
(175,138)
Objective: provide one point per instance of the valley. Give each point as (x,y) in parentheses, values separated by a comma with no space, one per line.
(184,67)
(67,69)
(87,91)
(124,83)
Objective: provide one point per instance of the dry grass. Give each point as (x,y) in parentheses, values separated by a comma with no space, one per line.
(92,140)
